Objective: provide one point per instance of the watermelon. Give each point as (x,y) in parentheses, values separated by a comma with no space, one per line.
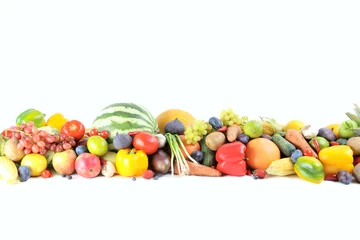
(124,118)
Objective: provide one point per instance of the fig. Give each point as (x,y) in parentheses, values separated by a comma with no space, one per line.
(175,127)
(122,140)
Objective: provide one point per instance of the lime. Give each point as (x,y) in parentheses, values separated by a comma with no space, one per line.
(97,145)
(253,128)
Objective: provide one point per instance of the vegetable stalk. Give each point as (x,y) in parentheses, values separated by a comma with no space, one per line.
(176,145)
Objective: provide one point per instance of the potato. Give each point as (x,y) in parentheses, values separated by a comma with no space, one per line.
(215,140)
(356,173)
(354,144)
(233,132)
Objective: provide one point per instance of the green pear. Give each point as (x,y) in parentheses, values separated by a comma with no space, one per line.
(346,129)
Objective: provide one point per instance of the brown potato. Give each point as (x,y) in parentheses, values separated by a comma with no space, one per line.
(215,140)
(233,132)
(354,144)
(356,173)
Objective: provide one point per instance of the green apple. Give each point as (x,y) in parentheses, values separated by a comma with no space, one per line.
(323,143)
(110,156)
(346,129)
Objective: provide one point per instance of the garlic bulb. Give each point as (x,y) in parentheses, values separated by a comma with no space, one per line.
(309,132)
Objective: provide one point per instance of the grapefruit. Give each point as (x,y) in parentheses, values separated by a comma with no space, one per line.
(260,153)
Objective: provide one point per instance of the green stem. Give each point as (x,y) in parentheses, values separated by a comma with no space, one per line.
(183,147)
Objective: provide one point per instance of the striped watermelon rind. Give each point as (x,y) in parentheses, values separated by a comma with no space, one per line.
(125,118)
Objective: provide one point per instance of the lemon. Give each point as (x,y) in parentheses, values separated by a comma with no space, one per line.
(35,162)
(335,128)
(294,124)
(253,128)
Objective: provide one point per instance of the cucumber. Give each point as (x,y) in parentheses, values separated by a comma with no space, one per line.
(286,147)
(209,155)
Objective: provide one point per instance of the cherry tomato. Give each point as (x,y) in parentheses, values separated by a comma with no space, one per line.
(46,173)
(94,132)
(7,133)
(146,142)
(73,128)
(308,152)
(104,134)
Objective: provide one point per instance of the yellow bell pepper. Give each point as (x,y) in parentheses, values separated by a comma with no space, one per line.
(131,163)
(336,158)
(56,120)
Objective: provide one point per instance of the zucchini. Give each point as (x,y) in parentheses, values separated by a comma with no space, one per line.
(286,147)
(209,155)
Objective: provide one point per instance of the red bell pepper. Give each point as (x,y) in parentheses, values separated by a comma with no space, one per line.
(232,169)
(231,159)
(231,152)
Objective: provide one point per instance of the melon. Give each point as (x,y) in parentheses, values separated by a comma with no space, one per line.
(125,118)
(171,114)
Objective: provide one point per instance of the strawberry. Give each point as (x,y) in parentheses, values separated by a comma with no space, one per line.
(148,174)
(259,174)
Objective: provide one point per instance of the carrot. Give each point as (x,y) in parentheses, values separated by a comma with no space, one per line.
(295,137)
(197,169)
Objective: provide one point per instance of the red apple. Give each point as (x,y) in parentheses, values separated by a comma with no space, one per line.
(356,160)
(88,165)
(64,162)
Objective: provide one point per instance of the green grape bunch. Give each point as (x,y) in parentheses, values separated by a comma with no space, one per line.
(195,132)
(228,118)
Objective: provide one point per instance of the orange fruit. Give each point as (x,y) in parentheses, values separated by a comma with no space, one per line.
(260,153)
(171,114)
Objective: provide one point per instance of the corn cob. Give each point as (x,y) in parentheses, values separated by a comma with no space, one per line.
(281,167)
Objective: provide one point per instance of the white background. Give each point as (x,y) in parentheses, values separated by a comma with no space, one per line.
(281,59)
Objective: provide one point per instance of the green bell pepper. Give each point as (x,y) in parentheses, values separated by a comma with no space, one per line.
(310,169)
(31,115)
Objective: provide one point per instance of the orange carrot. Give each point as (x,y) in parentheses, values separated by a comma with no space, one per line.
(295,137)
(197,169)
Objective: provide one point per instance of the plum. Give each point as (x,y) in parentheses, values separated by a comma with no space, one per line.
(215,123)
(24,173)
(344,177)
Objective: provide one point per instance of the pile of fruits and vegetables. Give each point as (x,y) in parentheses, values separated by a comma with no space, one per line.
(126,140)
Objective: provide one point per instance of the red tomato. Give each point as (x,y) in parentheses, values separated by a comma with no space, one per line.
(46,173)
(7,133)
(104,134)
(308,152)
(73,128)
(146,142)
(94,132)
